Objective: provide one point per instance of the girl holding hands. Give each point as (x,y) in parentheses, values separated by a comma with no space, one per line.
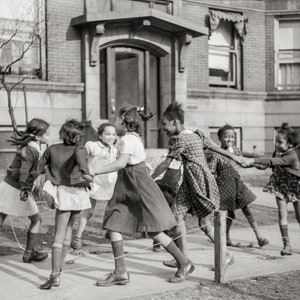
(285,180)
(137,204)
(65,164)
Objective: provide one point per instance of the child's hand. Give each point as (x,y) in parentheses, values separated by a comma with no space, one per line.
(24,194)
(247,162)
(88,177)
(260,167)
(239,159)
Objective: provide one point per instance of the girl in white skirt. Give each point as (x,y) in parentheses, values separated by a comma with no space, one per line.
(16,198)
(137,204)
(101,153)
(65,164)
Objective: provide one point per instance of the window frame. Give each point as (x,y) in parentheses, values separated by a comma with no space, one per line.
(236,83)
(277,52)
(15,71)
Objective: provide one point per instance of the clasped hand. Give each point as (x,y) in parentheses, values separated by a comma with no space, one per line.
(244,162)
(24,195)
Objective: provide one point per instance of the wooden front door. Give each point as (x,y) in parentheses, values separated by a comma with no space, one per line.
(130,76)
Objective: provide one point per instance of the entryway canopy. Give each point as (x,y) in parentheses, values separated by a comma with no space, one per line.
(156,19)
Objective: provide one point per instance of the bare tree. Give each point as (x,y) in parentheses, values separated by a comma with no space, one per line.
(20,37)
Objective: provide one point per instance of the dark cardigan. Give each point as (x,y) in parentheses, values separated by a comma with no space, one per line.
(22,172)
(65,164)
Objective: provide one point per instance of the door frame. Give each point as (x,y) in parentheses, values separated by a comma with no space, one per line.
(144,96)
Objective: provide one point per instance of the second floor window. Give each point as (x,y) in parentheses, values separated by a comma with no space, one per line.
(224,60)
(288,55)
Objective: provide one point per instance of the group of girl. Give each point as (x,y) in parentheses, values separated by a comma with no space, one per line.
(77,176)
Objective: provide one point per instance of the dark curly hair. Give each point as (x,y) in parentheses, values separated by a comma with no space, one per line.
(286,131)
(174,111)
(36,127)
(102,127)
(71,132)
(132,117)
(223,129)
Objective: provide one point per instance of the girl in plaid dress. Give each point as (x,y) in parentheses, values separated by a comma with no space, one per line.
(199,192)
(137,204)
(285,180)
(233,192)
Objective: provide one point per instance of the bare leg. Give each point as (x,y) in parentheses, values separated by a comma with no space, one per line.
(230,218)
(85,215)
(67,239)
(297,210)
(247,213)
(2,219)
(207,228)
(61,223)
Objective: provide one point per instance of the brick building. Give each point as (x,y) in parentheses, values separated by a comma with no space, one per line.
(228,61)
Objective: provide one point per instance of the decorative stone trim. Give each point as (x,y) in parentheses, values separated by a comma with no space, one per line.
(226,94)
(95,34)
(184,42)
(45,86)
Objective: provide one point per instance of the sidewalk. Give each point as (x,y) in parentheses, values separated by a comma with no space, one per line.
(148,274)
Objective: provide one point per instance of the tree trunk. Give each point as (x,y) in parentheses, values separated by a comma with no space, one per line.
(11,113)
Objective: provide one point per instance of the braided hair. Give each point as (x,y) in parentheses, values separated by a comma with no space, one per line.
(36,127)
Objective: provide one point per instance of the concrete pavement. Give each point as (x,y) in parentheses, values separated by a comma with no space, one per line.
(148,274)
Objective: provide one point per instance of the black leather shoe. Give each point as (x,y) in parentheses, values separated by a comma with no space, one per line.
(182,273)
(34,255)
(114,279)
(54,280)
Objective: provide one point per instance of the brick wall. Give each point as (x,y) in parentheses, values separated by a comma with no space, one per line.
(254,53)
(63,41)
(197,62)
(270,54)
(254,73)
(282,4)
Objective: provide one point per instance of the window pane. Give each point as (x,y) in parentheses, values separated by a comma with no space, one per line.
(223,35)
(289,34)
(222,60)
(289,55)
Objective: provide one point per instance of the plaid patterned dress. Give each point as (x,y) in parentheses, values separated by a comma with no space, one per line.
(198,192)
(283,184)
(234,193)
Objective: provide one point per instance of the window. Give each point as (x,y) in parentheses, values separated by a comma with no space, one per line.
(288,55)
(19,37)
(224,55)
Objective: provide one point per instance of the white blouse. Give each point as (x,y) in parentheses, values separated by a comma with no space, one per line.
(131,143)
(100,156)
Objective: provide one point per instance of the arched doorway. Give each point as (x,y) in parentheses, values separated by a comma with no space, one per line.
(130,76)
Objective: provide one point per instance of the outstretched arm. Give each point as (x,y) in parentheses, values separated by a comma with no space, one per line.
(161,167)
(117,165)
(237,159)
